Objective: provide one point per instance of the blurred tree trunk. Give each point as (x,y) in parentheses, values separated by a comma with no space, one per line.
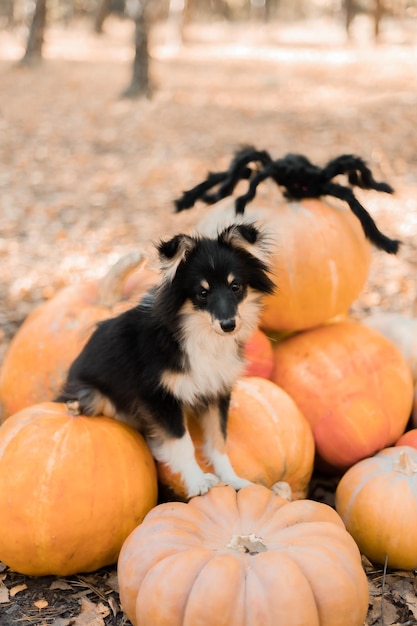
(140,83)
(349,7)
(263,9)
(102,12)
(270,5)
(378,12)
(7,9)
(35,41)
(221,7)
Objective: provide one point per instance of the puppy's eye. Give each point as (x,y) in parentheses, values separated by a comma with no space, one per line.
(202,294)
(236,286)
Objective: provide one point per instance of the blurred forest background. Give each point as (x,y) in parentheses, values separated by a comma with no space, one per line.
(109,109)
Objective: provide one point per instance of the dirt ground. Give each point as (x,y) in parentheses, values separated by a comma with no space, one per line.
(86,176)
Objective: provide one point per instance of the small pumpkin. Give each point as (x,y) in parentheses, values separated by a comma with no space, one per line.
(259,355)
(72,488)
(268,439)
(353,386)
(40,353)
(414,412)
(242,558)
(377,500)
(409,438)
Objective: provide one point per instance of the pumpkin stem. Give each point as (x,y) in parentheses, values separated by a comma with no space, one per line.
(405,465)
(111,285)
(247,543)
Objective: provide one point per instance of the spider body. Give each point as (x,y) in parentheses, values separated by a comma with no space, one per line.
(300,179)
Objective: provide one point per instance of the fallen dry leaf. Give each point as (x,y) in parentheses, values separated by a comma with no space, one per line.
(115,608)
(4,594)
(89,618)
(62,621)
(91,614)
(17,589)
(403,590)
(41,604)
(382,612)
(61,584)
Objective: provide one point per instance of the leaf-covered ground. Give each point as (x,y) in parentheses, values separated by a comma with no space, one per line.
(86,176)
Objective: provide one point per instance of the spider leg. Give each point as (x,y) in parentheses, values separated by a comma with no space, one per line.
(228,186)
(227,180)
(357,172)
(239,170)
(258,178)
(367,181)
(190,197)
(369,227)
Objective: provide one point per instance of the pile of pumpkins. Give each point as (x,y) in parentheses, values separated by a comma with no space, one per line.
(320,391)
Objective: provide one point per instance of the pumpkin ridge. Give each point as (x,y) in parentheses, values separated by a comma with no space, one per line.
(326,555)
(269,565)
(356,491)
(193,569)
(245,506)
(198,594)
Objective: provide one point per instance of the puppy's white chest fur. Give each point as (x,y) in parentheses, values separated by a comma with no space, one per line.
(212,364)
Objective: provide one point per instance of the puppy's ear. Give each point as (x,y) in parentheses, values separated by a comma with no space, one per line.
(173,252)
(250,238)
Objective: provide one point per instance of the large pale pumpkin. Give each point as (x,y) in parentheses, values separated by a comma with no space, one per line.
(268,439)
(377,500)
(71,489)
(353,386)
(320,262)
(39,355)
(242,559)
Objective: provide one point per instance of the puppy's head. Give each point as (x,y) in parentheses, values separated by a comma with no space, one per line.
(221,279)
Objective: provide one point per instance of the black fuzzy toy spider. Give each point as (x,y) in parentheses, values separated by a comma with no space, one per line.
(300,178)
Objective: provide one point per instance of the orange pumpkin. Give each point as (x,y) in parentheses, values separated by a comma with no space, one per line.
(71,490)
(414,412)
(353,386)
(377,500)
(321,257)
(259,356)
(234,559)
(268,439)
(408,439)
(39,355)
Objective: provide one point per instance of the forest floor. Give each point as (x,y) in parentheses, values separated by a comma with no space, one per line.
(86,176)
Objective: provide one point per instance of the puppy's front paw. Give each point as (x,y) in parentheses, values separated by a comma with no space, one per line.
(238,483)
(201,485)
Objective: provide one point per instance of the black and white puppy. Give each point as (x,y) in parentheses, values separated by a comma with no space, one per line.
(180,349)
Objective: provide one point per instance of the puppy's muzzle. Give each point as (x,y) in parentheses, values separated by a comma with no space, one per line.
(228,325)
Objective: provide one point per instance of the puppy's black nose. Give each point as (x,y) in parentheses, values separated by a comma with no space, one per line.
(228,325)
